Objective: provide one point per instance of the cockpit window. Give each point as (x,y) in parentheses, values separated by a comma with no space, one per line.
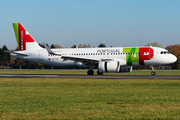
(165,52)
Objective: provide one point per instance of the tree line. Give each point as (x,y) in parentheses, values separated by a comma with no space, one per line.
(7,61)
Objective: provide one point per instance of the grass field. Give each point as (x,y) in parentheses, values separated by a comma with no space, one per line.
(134,72)
(49,98)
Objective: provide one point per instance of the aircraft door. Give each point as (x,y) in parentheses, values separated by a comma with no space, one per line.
(151,53)
(40,58)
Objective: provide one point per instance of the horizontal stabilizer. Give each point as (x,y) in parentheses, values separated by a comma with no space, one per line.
(18,53)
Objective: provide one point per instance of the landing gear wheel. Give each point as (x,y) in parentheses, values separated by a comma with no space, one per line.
(153,73)
(99,73)
(90,72)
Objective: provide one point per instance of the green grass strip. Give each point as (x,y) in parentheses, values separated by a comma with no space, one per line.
(53,98)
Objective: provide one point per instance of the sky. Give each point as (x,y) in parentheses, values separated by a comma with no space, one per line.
(114,23)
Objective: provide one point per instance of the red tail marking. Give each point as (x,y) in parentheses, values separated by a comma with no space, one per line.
(24,37)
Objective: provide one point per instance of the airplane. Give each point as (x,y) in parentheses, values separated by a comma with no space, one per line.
(110,59)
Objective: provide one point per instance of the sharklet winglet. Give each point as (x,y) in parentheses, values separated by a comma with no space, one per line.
(49,50)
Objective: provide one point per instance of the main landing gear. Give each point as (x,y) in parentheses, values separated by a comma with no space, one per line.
(90,72)
(99,73)
(152,69)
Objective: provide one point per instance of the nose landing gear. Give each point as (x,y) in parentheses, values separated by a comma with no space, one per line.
(152,69)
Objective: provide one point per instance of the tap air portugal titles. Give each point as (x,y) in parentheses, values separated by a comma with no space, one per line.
(115,59)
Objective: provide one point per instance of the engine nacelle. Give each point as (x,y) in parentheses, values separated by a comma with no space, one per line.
(113,66)
(80,64)
(110,66)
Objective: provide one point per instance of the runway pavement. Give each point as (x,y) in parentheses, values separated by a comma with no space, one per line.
(170,77)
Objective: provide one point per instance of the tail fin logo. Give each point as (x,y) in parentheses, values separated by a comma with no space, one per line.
(22,36)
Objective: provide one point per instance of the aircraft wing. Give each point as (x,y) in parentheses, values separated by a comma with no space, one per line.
(86,61)
(76,58)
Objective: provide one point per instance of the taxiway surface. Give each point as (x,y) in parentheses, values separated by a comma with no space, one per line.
(170,77)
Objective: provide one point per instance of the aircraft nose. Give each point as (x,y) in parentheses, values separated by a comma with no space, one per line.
(174,59)
(169,59)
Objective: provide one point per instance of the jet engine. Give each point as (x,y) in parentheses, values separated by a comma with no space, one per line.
(109,66)
(113,66)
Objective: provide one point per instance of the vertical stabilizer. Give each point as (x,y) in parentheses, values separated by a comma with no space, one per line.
(23,38)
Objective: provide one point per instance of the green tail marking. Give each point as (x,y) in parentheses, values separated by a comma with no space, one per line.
(16,31)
